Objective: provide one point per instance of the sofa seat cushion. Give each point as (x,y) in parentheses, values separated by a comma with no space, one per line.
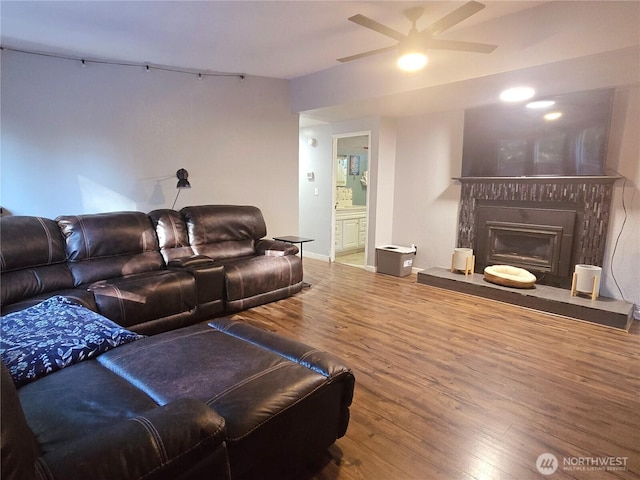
(283,402)
(250,276)
(139,298)
(250,383)
(226,250)
(54,334)
(92,424)
(77,401)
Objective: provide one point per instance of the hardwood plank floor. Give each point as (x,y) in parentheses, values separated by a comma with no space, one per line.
(451,386)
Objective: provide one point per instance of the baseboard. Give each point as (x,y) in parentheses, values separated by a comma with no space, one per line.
(316,256)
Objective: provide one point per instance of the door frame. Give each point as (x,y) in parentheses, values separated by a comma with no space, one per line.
(334,160)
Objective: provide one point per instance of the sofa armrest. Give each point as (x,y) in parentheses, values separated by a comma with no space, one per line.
(166,443)
(274,247)
(209,276)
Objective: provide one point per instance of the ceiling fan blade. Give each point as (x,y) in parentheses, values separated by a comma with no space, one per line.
(462,46)
(377,27)
(453,18)
(367,54)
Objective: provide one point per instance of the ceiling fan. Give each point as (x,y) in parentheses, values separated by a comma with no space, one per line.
(417,42)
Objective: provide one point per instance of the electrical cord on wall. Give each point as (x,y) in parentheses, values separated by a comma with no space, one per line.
(178,194)
(615,245)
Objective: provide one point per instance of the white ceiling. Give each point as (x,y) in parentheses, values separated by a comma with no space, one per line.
(279,39)
(300,40)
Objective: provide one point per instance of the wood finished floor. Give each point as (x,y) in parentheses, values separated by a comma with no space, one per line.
(451,386)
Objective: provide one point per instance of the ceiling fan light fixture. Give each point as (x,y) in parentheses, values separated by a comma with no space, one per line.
(413,56)
(412,46)
(412,61)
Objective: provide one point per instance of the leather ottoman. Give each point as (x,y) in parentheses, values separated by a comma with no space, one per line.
(283,402)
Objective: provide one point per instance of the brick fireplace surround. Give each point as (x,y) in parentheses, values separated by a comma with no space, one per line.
(590,197)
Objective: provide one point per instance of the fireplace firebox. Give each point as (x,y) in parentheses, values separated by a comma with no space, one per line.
(522,245)
(519,234)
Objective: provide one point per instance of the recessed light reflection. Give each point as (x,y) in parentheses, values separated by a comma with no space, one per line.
(541,104)
(553,116)
(517,94)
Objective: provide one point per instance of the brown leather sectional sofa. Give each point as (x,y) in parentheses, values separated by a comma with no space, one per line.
(205,396)
(149,273)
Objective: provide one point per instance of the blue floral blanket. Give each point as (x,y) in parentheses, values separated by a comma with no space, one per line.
(54,334)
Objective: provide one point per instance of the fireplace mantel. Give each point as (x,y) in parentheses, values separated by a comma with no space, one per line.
(542,179)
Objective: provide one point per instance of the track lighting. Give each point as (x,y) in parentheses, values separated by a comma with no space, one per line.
(84,62)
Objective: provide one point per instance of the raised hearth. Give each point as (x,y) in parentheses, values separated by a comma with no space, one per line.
(604,311)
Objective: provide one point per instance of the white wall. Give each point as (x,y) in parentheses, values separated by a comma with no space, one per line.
(104,138)
(315,210)
(624,227)
(383,186)
(429,154)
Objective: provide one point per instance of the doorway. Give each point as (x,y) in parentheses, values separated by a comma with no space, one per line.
(350,194)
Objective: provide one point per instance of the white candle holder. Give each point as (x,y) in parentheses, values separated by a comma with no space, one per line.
(586,279)
(463,260)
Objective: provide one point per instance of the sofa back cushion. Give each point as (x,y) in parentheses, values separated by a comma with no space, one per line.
(224,231)
(108,245)
(32,258)
(172,234)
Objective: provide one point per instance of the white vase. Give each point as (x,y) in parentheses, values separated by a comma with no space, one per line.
(462,260)
(587,279)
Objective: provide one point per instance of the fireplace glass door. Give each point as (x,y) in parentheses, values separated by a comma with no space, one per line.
(524,245)
(523,234)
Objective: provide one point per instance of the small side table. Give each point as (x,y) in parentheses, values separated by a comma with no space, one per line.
(301,240)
